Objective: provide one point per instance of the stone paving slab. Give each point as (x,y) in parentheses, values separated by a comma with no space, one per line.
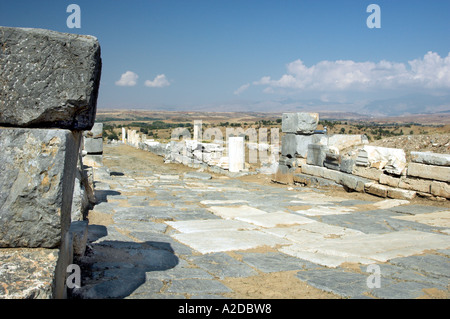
(193,226)
(234,212)
(224,240)
(275,219)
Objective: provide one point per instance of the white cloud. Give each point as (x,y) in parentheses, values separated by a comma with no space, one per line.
(430,72)
(241,89)
(158,82)
(128,79)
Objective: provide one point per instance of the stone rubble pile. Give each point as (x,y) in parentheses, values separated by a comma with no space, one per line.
(317,159)
(48,95)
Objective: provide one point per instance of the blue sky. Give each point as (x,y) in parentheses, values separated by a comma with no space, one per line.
(251,55)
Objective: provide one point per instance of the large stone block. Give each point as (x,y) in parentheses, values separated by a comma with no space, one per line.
(301,123)
(438,173)
(93,145)
(36,185)
(441,189)
(284,175)
(48,79)
(294,145)
(96,131)
(316,154)
(430,158)
(420,185)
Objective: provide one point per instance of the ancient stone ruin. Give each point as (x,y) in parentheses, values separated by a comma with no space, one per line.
(49,85)
(313,158)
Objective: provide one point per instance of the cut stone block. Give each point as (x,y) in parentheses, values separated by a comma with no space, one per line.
(302,123)
(439,173)
(49,79)
(275,219)
(208,225)
(377,189)
(441,189)
(93,160)
(366,172)
(415,184)
(430,158)
(96,131)
(93,145)
(36,185)
(316,154)
(399,193)
(389,180)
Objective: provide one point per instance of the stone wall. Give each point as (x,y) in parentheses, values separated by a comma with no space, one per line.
(48,94)
(316,159)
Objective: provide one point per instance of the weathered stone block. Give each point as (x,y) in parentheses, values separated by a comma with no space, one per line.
(316,154)
(347,165)
(93,145)
(301,123)
(376,189)
(370,173)
(93,160)
(36,185)
(439,173)
(420,185)
(430,158)
(389,180)
(96,131)
(392,160)
(49,79)
(441,189)
(399,193)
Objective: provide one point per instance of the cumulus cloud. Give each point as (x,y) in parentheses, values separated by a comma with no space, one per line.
(128,79)
(241,89)
(158,82)
(430,72)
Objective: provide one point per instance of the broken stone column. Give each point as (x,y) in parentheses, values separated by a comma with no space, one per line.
(198,130)
(48,94)
(236,155)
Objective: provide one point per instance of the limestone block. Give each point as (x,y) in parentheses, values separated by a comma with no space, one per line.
(353,182)
(343,141)
(430,158)
(347,165)
(441,189)
(419,185)
(376,189)
(370,173)
(96,131)
(316,154)
(49,79)
(399,193)
(302,123)
(93,160)
(389,180)
(36,185)
(439,173)
(93,145)
(362,158)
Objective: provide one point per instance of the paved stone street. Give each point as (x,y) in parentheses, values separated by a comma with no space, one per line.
(164,232)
